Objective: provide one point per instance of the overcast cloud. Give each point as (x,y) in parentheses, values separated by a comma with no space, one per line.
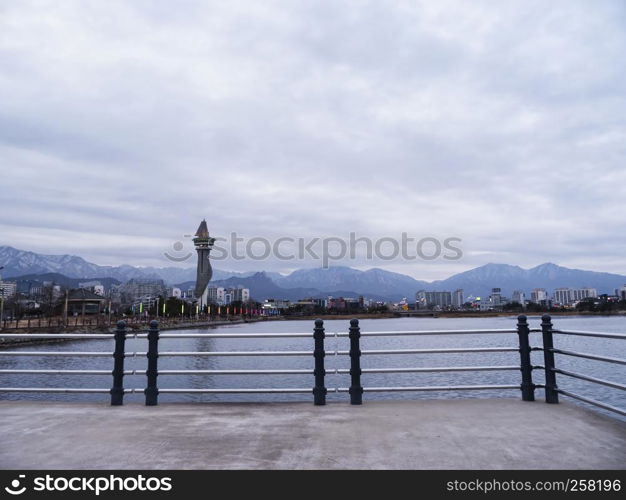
(123,124)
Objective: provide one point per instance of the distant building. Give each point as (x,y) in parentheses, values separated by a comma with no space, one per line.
(7,289)
(224,296)
(539,295)
(337,303)
(431,300)
(563,296)
(519,297)
(621,293)
(457,298)
(321,303)
(496,297)
(584,293)
(240,294)
(214,295)
(137,288)
(93,286)
(276,304)
(81,301)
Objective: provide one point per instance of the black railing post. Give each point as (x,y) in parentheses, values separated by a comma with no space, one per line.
(528,388)
(152,391)
(117,391)
(319,391)
(548,357)
(356,391)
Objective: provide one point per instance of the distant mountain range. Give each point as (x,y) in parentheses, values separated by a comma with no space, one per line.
(20,262)
(337,281)
(262,286)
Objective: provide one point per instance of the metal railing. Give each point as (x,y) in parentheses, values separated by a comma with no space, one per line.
(319,371)
(552,390)
(356,388)
(117,390)
(152,391)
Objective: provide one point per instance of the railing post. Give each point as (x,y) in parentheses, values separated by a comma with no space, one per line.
(548,356)
(152,391)
(356,391)
(319,391)
(117,391)
(528,388)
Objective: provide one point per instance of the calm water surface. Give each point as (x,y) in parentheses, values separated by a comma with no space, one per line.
(609,347)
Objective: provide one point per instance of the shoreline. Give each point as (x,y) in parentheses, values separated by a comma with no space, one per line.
(344,317)
(111,329)
(448,314)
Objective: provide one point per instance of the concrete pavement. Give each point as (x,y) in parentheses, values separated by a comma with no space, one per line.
(424,434)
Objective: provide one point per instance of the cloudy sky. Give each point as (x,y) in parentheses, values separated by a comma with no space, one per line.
(123,124)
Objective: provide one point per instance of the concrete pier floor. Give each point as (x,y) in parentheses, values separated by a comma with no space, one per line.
(426,434)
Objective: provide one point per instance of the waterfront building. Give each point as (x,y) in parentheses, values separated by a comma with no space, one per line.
(224,296)
(496,297)
(457,298)
(563,296)
(7,289)
(276,304)
(321,302)
(429,300)
(215,295)
(137,287)
(81,301)
(584,293)
(539,295)
(93,286)
(519,297)
(240,294)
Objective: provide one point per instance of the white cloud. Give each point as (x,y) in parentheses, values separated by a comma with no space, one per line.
(500,123)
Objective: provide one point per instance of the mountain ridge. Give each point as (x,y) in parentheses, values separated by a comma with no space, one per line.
(374,283)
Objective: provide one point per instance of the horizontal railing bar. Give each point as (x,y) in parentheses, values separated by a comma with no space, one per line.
(433,351)
(232,353)
(433,369)
(55,353)
(234,372)
(435,388)
(430,332)
(592,334)
(587,378)
(230,335)
(56,336)
(64,372)
(235,391)
(53,389)
(593,402)
(590,356)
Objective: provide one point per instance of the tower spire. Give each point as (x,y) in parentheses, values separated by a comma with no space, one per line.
(203,243)
(203,230)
